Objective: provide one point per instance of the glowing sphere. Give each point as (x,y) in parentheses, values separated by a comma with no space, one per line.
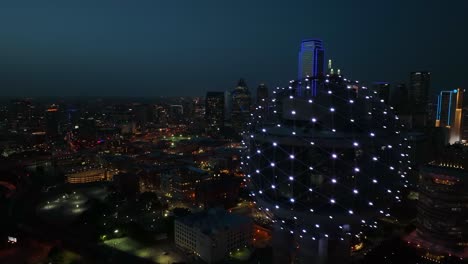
(326,164)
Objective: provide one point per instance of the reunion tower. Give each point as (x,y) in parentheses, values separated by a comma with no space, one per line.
(324,163)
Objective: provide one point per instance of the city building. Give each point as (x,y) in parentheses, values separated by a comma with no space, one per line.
(262,93)
(214,110)
(383,90)
(52,122)
(88,176)
(311,62)
(464,133)
(241,104)
(442,226)
(450,113)
(419,88)
(213,234)
(420,84)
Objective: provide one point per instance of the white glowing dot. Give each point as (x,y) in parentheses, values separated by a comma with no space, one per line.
(334,180)
(374,158)
(352,120)
(292,200)
(310,189)
(276,206)
(371,203)
(259,151)
(372,134)
(332,201)
(291,178)
(332,109)
(355,144)
(273,186)
(291,156)
(293,112)
(275,144)
(257,171)
(334,156)
(357,169)
(317,225)
(272,164)
(351,101)
(304,231)
(314,120)
(355,191)
(310,101)
(350,212)
(374,181)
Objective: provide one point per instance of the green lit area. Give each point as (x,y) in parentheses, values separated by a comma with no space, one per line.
(162,253)
(242,254)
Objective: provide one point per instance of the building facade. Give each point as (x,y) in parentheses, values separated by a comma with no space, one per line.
(214,234)
(214,110)
(311,62)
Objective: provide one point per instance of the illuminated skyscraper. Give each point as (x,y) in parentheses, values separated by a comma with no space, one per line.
(214,110)
(311,62)
(449,112)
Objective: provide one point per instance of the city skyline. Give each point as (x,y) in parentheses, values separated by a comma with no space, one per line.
(129,49)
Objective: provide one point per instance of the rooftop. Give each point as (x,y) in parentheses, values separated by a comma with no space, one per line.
(213,221)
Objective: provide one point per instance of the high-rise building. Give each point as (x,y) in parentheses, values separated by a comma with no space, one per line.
(241,104)
(464,133)
(383,90)
(420,84)
(443,204)
(311,62)
(52,121)
(214,110)
(262,93)
(449,112)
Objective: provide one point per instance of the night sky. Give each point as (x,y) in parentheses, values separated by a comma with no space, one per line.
(175,47)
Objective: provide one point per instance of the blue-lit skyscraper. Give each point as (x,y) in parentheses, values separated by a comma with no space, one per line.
(449,112)
(311,62)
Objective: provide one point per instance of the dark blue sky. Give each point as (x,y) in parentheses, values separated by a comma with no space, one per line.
(175,47)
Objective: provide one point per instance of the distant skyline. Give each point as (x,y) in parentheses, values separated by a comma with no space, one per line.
(181,47)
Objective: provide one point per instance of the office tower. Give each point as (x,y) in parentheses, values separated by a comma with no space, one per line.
(241,103)
(214,110)
(262,93)
(420,84)
(443,204)
(311,63)
(464,133)
(317,173)
(52,121)
(449,113)
(383,90)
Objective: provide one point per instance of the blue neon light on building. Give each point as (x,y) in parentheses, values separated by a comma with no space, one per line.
(311,62)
